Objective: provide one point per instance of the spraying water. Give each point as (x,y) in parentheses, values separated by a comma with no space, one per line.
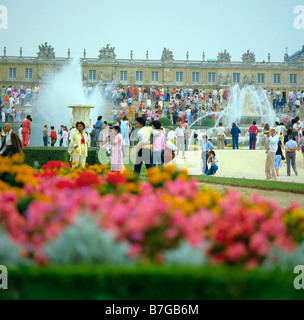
(62,90)
(247,105)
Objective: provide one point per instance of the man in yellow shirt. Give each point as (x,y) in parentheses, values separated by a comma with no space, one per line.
(143,150)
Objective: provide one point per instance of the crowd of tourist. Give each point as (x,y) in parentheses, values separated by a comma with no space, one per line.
(182,106)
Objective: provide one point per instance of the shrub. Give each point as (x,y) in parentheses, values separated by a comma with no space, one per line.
(148,282)
(208,123)
(166,122)
(9,252)
(39,156)
(84,242)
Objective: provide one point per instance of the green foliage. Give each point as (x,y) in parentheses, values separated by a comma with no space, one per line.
(149,282)
(208,123)
(166,122)
(84,242)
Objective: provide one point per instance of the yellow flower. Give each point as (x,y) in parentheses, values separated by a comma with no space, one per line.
(170,168)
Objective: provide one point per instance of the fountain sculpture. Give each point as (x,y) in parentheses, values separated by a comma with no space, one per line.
(81,113)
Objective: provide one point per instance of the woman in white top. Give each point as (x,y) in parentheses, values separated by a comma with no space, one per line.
(171,135)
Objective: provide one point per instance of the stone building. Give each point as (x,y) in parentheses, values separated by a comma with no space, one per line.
(168,72)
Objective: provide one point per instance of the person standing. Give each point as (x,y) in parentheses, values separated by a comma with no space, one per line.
(180,138)
(124,129)
(158,146)
(221,132)
(26,131)
(11,144)
(235,131)
(105,135)
(143,148)
(272,146)
(253,130)
(116,150)
(60,131)
(291,146)
(171,135)
(53,136)
(45,135)
(187,134)
(92,142)
(78,148)
(65,137)
(97,135)
(278,158)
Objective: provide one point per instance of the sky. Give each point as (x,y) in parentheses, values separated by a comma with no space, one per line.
(197,26)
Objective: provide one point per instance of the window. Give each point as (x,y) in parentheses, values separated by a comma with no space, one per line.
(261,77)
(28,73)
(92,74)
(277,78)
(139,76)
(12,73)
(293,79)
(236,78)
(154,76)
(179,76)
(123,75)
(211,77)
(195,77)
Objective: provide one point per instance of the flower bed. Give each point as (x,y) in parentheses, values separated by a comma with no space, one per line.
(150,217)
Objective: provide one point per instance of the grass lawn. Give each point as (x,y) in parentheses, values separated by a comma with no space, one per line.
(257,184)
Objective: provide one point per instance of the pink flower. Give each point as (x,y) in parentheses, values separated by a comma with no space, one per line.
(260,244)
(236,251)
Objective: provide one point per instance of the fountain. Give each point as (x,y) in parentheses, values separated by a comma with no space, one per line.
(249,104)
(246,105)
(81,113)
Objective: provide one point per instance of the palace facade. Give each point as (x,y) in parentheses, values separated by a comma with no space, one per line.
(168,72)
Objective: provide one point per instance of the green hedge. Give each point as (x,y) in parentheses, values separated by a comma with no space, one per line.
(208,123)
(148,282)
(166,122)
(44,154)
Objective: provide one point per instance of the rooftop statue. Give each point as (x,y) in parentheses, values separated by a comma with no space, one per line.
(224,56)
(107,53)
(167,55)
(248,57)
(46,51)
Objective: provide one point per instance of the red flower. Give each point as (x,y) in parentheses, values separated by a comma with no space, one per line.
(53,164)
(86,179)
(115,178)
(66,183)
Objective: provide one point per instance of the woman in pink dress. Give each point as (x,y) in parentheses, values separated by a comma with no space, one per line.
(116,150)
